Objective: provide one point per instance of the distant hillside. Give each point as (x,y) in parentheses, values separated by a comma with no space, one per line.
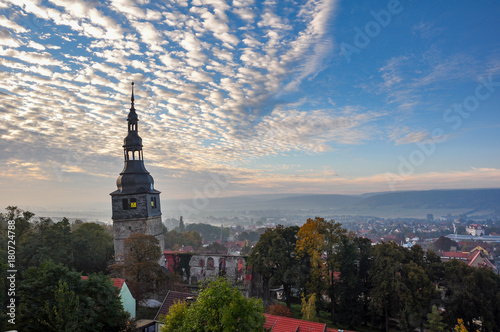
(474,199)
(398,203)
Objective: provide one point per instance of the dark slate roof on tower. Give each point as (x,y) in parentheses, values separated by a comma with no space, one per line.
(134,178)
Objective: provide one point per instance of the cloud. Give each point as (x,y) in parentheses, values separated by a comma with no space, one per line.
(6,23)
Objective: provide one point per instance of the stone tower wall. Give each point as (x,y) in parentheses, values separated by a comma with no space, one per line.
(124,228)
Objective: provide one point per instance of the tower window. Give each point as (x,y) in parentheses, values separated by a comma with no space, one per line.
(133,203)
(125,204)
(153,202)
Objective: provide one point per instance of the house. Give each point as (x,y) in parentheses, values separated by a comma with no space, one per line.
(272,323)
(475,230)
(128,301)
(449,255)
(479,259)
(171,298)
(287,324)
(476,258)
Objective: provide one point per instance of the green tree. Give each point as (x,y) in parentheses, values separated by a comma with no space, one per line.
(49,291)
(219,307)
(93,248)
(350,288)
(246,250)
(435,321)
(216,248)
(273,257)
(417,296)
(62,316)
(386,277)
(47,241)
(174,239)
(22,222)
(472,294)
(208,232)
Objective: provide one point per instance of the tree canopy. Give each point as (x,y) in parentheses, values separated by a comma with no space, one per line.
(219,307)
(53,298)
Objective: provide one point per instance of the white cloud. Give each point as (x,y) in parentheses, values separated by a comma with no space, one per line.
(5,22)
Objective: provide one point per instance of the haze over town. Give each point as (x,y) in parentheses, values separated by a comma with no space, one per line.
(269,97)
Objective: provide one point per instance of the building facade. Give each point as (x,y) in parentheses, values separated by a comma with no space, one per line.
(135,203)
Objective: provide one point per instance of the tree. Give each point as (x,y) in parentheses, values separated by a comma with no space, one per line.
(21,219)
(216,248)
(435,321)
(62,316)
(140,267)
(208,232)
(46,241)
(219,307)
(386,280)
(246,250)
(174,239)
(349,288)
(274,259)
(315,238)
(460,327)
(473,294)
(444,243)
(182,228)
(93,248)
(51,297)
(308,309)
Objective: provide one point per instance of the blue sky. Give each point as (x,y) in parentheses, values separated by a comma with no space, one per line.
(342,97)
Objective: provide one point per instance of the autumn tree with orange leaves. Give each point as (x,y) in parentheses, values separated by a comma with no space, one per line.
(317,243)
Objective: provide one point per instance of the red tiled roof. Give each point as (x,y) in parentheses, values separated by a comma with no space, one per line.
(474,258)
(118,282)
(171,298)
(287,324)
(453,254)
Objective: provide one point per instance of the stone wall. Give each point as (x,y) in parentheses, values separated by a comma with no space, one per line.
(123,228)
(206,266)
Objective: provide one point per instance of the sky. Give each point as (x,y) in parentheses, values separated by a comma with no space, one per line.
(247,97)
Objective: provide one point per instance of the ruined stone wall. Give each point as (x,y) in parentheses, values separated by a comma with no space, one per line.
(207,266)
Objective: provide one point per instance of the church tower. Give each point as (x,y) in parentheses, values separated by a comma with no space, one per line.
(136,203)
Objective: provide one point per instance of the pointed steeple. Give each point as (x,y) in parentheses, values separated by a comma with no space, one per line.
(134,177)
(132,116)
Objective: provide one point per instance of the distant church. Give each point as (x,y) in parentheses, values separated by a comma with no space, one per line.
(136,203)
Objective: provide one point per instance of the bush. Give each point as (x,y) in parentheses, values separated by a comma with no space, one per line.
(279,310)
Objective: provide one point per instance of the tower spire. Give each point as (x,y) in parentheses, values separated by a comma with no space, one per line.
(132,98)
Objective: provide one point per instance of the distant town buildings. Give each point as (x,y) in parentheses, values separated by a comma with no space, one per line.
(475,230)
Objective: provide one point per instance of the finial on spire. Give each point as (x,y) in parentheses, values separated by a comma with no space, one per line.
(132,99)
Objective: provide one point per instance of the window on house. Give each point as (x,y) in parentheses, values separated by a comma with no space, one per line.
(125,204)
(133,203)
(153,202)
